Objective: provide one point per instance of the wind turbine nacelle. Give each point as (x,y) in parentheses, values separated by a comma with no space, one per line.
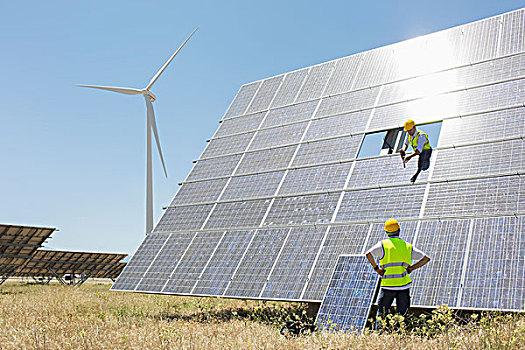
(151,95)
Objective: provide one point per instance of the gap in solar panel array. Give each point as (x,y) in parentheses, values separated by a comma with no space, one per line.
(278,193)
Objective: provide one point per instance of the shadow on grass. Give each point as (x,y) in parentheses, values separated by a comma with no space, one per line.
(266,314)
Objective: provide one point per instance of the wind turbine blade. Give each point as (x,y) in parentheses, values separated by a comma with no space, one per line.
(168,62)
(151,116)
(127,91)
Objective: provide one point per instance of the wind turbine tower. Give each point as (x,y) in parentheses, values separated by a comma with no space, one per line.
(151,126)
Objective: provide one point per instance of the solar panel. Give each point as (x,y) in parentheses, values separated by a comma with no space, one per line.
(18,244)
(278,193)
(79,266)
(220,269)
(290,114)
(315,82)
(348,300)
(439,281)
(290,88)
(242,99)
(494,277)
(290,272)
(228,145)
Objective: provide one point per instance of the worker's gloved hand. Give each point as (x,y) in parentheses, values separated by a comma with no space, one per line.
(381,271)
(409,269)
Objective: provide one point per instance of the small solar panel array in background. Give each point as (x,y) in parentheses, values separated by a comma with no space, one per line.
(278,193)
(348,299)
(17,245)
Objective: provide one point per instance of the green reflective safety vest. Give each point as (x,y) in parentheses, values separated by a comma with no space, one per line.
(412,140)
(396,259)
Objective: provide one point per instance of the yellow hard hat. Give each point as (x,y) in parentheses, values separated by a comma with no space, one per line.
(391,225)
(409,124)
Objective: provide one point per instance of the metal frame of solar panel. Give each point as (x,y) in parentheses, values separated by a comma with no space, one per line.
(347,302)
(70,267)
(17,246)
(259,214)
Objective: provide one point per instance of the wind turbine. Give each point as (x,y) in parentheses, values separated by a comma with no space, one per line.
(151,125)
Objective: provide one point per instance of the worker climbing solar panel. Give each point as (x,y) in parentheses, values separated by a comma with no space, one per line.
(348,300)
(303,168)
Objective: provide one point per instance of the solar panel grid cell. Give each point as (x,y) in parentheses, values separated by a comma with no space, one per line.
(482,127)
(269,159)
(337,149)
(243,124)
(256,265)
(194,260)
(139,263)
(502,195)
(344,75)
(513,38)
(315,82)
(183,218)
(278,136)
(339,125)
(242,99)
(214,167)
(380,203)
(165,262)
(445,242)
(252,186)
(290,114)
(228,145)
(313,179)
(289,88)
(495,277)
(348,102)
(291,270)
(238,214)
(224,262)
(199,192)
(302,210)
(265,94)
(480,160)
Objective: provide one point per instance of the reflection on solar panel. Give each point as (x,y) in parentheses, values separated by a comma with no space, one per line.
(348,299)
(17,246)
(278,193)
(75,267)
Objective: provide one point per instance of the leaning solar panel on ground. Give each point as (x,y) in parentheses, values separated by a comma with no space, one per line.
(348,299)
(303,168)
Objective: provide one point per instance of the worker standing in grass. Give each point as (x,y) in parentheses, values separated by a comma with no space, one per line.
(421,146)
(395,264)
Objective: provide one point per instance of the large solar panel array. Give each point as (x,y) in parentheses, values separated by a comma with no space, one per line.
(17,246)
(278,194)
(348,299)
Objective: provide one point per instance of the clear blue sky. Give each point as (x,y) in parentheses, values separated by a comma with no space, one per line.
(74,158)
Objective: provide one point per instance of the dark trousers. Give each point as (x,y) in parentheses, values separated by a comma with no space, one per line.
(423,162)
(386,298)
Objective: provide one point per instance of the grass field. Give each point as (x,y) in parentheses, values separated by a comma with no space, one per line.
(92,317)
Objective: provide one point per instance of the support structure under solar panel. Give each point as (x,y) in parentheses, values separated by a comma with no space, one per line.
(349,297)
(280,182)
(70,267)
(17,246)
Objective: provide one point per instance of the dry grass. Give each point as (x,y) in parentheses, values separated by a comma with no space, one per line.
(91,317)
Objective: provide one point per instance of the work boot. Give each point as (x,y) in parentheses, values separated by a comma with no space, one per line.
(413,178)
